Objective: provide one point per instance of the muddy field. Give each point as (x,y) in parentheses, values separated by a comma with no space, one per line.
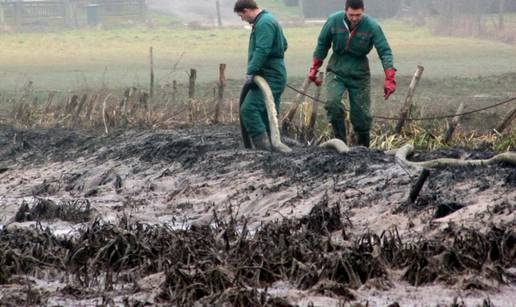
(183,217)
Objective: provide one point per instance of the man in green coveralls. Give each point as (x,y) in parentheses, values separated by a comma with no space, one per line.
(352,35)
(267,46)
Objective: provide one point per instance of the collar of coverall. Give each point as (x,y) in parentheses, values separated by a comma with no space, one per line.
(347,23)
(258,17)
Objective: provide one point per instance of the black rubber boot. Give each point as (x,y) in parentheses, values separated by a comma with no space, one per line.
(363,138)
(339,129)
(262,142)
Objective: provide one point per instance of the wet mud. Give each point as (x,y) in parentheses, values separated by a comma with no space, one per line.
(189,217)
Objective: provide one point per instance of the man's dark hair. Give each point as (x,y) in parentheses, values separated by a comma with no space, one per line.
(355,4)
(241,5)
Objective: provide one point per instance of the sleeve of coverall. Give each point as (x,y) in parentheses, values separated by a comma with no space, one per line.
(382,47)
(264,40)
(323,42)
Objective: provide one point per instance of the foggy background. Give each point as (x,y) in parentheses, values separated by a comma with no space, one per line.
(85,43)
(202,11)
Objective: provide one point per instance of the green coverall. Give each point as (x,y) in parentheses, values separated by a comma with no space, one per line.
(267,46)
(348,69)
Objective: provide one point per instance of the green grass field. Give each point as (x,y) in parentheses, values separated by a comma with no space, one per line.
(118,58)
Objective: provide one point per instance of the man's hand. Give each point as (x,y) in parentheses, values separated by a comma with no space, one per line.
(249,79)
(312,74)
(389,86)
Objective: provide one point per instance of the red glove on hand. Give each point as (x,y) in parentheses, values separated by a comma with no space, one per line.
(312,75)
(389,86)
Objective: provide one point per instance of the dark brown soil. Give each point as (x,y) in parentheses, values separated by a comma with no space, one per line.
(231,258)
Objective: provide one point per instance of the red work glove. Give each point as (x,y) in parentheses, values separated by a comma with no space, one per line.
(389,86)
(312,75)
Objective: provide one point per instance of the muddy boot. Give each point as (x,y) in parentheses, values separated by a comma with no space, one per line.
(339,129)
(363,139)
(262,142)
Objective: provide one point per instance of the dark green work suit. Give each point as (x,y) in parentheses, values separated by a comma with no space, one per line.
(348,68)
(267,46)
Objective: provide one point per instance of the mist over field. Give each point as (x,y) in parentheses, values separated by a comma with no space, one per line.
(201,11)
(184,35)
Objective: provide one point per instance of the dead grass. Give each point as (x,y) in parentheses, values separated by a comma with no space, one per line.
(107,110)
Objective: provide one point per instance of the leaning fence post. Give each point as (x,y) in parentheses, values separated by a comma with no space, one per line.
(507,121)
(452,125)
(287,120)
(414,192)
(220,94)
(408,100)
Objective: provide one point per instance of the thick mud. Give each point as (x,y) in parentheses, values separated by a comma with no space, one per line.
(188,216)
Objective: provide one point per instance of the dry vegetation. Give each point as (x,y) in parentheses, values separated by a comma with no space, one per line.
(104,110)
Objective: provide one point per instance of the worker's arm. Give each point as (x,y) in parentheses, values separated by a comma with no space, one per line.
(382,47)
(320,53)
(385,53)
(323,42)
(264,39)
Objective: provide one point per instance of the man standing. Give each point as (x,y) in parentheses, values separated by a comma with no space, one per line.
(352,35)
(267,46)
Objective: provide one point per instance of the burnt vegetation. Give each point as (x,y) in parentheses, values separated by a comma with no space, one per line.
(227,262)
(76,211)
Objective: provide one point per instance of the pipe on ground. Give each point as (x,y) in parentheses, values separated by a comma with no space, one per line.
(402,153)
(272,114)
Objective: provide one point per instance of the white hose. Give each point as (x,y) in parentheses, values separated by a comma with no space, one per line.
(402,154)
(336,144)
(272,115)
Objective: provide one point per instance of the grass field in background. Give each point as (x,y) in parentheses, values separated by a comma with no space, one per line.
(118,58)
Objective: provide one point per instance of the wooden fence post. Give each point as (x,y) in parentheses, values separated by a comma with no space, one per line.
(452,125)
(191,84)
(220,96)
(191,93)
(414,191)
(151,58)
(287,120)
(408,100)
